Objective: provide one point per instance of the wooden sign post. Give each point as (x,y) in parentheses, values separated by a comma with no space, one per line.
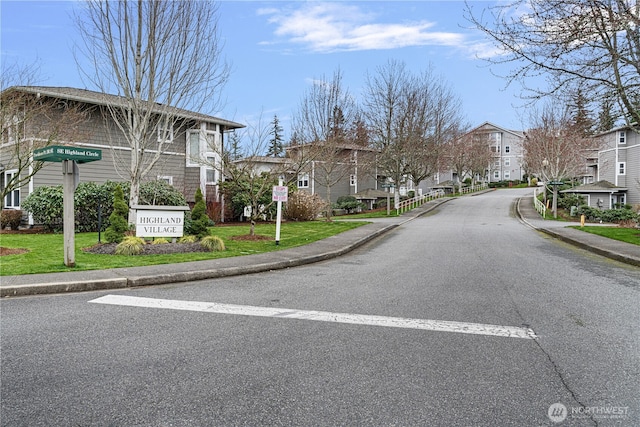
(69,157)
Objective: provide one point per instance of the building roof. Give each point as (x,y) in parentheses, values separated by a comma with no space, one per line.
(596,187)
(99,98)
(517,133)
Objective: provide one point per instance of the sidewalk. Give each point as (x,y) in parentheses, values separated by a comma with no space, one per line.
(77,281)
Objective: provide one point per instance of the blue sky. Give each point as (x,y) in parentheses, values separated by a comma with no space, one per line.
(276,48)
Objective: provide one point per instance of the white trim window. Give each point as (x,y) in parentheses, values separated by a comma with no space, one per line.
(211,172)
(166,178)
(193,147)
(496,174)
(303,180)
(622,168)
(165,134)
(352,180)
(622,137)
(507,148)
(507,174)
(507,162)
(12,199)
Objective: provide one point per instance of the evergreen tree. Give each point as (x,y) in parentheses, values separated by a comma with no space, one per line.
(118,223)
(580,115)
(276,148)
(199,219)
(606,121)
(234,151)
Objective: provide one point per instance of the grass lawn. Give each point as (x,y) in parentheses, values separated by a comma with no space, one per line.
(45,251)
(629,235)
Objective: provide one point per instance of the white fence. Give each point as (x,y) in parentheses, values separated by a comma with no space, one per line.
(540,207)
(407,205)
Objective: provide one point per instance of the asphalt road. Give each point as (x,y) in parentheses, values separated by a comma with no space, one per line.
(346,342)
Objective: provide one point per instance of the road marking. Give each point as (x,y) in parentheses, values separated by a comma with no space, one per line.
(320,316)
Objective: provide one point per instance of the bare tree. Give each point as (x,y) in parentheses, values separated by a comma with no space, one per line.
(324,120)
(30,121)
(587,44)
(160,57)
(249,180)
(384,109)
(469,155)
(410,119)
(555,149)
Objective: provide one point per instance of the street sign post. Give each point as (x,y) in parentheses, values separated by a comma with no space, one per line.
(280,194)
(70,157)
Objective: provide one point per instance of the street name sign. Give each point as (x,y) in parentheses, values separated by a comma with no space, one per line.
(58,153)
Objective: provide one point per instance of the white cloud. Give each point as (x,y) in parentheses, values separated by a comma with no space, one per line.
(330,27)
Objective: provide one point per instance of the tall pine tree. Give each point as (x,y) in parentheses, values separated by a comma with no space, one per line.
(276,147)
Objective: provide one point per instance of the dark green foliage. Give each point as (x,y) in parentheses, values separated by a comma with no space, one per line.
(46,206)
(10,218)
(566,200)
(608,215)
(46,203)
(89,198)
(199,223)
(118,224)
(349,204)
(160,193)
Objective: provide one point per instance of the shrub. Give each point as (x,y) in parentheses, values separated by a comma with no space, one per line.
(302,206)
(349,204)
(188,239)
(159,241)
(199,224)
(608,215)
(130,245)
(118,223)
(160,193)
(566,200)
(10,218)
(46,206)
(212,243)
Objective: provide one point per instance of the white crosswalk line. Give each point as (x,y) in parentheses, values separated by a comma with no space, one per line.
(320,316)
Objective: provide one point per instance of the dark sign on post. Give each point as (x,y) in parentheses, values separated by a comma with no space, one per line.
(69,157)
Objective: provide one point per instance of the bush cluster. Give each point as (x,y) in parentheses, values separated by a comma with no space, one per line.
(608,215)
(302,206)
(46,203)
(10,218)
(349,204)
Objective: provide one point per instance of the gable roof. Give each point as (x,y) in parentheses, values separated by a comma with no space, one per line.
(516,133)
(105,99)
(596,187)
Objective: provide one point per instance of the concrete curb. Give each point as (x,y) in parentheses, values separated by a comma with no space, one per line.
(583,240)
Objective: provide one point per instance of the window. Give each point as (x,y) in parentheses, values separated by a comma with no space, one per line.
(496,174)
(193,148)
(507,174)
(303,180)
(622,137)
(12,199)
(507,148)
(507,162)
(167,179)
(212,176)
(352,180)
(621,168)
(497,163)
(165,133)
